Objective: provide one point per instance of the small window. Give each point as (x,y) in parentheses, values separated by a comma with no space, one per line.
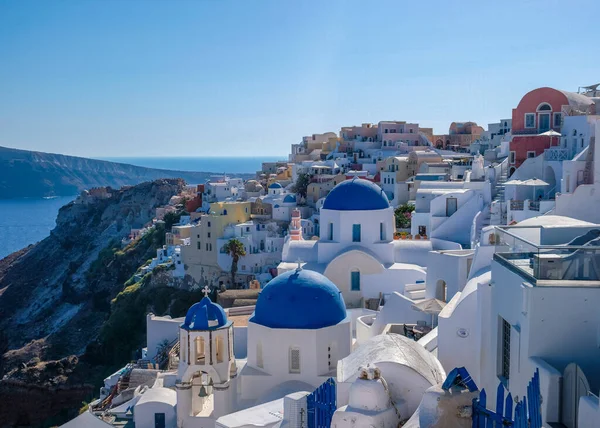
(294,360)
(259,355)
(386,131)
(381,232)
(355,280)
(557,120)
(208,234)
(207,247)
(544,107)
(530,120)
(331,231)
(505,351)
(513,156)
(356,233)
(530,154)
(199,245)
(208,223)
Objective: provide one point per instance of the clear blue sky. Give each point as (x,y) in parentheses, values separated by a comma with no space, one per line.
(250,77)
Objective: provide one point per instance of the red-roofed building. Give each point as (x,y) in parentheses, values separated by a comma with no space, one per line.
(539,111)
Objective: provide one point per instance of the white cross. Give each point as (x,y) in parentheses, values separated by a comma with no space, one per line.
(206,290)
(299,261)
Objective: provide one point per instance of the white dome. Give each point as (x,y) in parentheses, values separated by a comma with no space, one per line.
(369,395)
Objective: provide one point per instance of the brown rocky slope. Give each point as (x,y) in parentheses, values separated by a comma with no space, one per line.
(55,304)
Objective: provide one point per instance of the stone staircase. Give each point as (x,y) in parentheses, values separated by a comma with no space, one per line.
(415,292)
(499,195)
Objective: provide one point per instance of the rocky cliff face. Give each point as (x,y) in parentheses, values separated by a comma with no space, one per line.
(34,174)
(55,296)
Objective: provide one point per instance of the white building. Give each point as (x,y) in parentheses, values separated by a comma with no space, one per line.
(356,249)
(262,242)
(530,303)
(298,333)
(446,209)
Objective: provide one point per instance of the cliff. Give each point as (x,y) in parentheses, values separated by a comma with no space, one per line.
(35,174)
(69,311)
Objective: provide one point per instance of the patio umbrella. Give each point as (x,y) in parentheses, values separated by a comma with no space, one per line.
(534,182)
(551,133)
(430,306)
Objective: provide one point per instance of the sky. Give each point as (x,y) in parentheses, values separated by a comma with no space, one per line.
(250,77)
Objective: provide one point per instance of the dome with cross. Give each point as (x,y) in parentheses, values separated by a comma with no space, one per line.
(205,315)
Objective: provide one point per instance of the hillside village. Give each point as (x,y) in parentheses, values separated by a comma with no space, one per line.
(382,275)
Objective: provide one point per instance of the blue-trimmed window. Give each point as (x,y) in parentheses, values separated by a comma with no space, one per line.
(356,233)
(355,280)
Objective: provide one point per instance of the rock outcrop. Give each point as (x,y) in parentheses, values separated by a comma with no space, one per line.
(55,298)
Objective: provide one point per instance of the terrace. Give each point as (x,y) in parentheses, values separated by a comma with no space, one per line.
(576,263)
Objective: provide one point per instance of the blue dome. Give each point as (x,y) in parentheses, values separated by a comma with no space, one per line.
(204,315)
(300,299)
(289,199)
(356,195)
(275,186)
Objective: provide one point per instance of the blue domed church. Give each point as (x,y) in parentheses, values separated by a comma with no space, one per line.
(356,249)
(297,334)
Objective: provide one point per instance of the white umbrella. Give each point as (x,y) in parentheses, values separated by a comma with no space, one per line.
(534,182)
(551,133)
(430,306)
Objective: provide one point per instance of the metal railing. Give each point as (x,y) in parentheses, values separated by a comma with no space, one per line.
(547,262)
(556,154)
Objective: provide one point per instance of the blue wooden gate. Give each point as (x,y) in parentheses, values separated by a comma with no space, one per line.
(321,405)
(527,412)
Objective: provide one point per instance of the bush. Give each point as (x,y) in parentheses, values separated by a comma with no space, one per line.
(403,216)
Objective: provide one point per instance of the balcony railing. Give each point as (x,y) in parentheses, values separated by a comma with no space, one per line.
(534,205)
(516,205)
(556,154)
(570,264)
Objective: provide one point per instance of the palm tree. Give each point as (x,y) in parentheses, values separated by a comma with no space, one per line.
(236,250)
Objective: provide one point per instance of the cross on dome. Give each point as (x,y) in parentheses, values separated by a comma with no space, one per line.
(206,291)
(299,261)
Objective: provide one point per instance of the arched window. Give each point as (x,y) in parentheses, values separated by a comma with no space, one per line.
(544,107)
(259,355)
(220,347)
(355,280)
(199,351)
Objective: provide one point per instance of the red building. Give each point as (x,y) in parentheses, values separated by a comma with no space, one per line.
(539,111)
(195,203)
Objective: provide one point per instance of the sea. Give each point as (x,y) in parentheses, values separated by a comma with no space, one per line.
(26,221)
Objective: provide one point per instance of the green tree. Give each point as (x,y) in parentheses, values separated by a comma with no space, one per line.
(236,250)
(301,185)
(403,215)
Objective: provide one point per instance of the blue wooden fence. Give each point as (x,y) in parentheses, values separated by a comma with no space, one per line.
(321,405)
(527,412)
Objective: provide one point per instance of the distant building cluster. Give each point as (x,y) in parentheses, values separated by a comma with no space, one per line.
(400,274)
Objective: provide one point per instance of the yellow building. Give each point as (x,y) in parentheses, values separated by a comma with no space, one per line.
(178,234)
(318,190)
(399,165)
(200,257)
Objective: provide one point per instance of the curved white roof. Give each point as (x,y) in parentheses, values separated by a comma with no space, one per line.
(391,348)
(553,221)
(158,395)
